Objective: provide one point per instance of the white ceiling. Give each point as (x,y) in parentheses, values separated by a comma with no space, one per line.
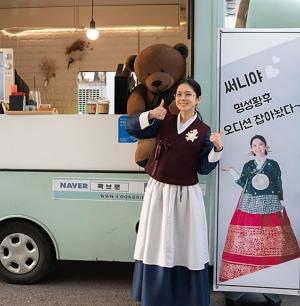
(60,3)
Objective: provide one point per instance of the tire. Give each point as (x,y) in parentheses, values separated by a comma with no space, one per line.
(26,254)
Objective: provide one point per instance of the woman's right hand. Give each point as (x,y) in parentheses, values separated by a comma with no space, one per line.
(159,112)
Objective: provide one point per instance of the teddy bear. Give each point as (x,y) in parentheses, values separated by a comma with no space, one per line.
(158,68)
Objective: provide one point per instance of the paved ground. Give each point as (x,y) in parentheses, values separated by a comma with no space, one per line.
(86,283)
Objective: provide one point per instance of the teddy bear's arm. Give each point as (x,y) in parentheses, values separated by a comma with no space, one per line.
(137,100)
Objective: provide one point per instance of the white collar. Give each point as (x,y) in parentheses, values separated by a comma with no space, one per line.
(181,127)
(260,162)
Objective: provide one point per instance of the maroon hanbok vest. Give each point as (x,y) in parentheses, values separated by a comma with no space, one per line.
(176,156)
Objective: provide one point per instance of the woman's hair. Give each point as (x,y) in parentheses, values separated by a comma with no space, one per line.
(192,83)
(261,138)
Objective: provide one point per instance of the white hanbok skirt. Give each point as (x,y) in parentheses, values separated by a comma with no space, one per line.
(173,228)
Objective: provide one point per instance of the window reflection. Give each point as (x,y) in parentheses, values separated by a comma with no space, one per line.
(93,86)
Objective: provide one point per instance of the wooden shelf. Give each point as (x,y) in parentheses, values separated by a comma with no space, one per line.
(50,112)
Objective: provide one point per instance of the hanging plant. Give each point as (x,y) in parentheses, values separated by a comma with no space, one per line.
(48,69)
(76,51)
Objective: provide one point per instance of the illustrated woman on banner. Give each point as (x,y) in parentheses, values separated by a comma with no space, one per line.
(260,234)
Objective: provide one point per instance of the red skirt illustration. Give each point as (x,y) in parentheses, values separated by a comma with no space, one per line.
(257,241)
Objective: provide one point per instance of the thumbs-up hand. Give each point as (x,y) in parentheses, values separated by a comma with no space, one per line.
(159,112)
(215,138)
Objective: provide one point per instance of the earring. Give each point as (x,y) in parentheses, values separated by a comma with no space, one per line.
(251,153)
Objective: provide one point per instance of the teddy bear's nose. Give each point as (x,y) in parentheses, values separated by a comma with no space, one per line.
(156,83)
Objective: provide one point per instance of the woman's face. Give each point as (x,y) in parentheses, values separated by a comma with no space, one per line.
(258,147)
(186,99)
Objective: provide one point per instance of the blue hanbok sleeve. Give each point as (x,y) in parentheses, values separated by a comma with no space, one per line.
(277,174)
(133,127)
(244,176)
(204,165)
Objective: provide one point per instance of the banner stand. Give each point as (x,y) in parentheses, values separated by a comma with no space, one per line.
(252,299)
(252,212)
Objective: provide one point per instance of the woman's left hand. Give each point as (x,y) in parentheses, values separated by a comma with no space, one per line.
(215,138)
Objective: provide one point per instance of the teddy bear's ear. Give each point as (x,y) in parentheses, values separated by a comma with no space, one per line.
(129,64)
(182,49)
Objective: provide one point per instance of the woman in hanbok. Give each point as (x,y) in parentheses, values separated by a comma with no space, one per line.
(171,253)
(260,234)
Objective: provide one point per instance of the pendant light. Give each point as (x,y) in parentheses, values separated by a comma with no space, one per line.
(92,33)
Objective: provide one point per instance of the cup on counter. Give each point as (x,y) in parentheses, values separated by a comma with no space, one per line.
(102,106)
(91,107)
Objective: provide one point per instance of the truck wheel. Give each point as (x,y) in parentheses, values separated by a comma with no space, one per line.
(26,254)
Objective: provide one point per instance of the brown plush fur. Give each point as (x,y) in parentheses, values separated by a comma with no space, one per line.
(158,69)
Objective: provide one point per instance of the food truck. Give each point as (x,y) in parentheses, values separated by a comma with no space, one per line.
(70,189)
(66,193)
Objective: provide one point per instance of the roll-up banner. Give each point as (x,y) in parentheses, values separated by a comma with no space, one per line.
(258,194)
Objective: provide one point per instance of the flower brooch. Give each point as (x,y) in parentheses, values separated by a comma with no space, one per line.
(191,135)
